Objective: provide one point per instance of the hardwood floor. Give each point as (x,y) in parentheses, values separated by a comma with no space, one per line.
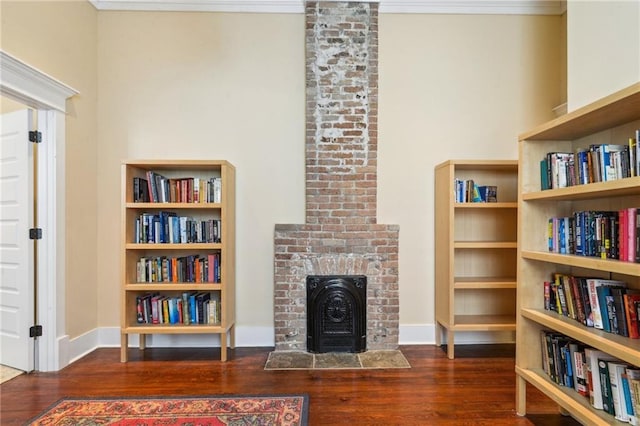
(477,388)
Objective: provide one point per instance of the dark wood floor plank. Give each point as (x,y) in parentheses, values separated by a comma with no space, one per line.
(476,388)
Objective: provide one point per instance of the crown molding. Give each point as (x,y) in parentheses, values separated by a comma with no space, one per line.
(474,7)
(248,6)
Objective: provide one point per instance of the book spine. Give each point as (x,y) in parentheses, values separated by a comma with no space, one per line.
(605,387)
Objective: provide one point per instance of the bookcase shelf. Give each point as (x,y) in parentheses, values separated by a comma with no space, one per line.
(174,329)
(484,282)
(614,188)
(567,398)
(484,323)
(476,251)
(173,206)
(194,175)
(593,263)
(172,286)
(621,347)
(169,246)
(611,120)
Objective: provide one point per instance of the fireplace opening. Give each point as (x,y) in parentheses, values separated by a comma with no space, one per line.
(336,313)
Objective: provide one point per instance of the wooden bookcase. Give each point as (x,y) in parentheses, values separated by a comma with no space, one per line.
(132,251)
(475,250)
(613,119)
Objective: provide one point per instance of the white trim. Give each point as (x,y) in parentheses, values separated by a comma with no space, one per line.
(83,345)
(47,359)
(31,86)
(250,6)
(479,7)
(253,336)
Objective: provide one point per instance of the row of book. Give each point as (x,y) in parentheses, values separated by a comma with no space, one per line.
(158,189)
(608,383)
(198,268)
(595,302)
(467,191)
(168,227)
(596,163)
(604,234)
(188,308)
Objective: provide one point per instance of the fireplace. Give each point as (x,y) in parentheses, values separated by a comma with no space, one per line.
(341,235)
(336,313)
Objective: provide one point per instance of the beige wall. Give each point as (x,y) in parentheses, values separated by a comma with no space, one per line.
(9,105)
(453,87)
(60,39)
(603,48)
(231,86)
(205,85)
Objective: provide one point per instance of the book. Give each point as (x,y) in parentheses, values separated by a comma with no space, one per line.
(630,233)
(592,357)
(562,297)
(140,190)
(605,386)
(586,304)
(544,175)
(596,309)
(579,368)
(616,371)
(618,318)
(628,397)
(633,378)
(631,299)
(607,308)
(488,194)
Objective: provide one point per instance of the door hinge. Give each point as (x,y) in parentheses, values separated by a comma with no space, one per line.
(35,331)
(35,136)
(35,233)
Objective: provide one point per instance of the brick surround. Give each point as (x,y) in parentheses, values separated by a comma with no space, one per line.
(341,235)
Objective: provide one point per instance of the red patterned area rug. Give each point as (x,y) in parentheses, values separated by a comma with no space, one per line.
(286,410)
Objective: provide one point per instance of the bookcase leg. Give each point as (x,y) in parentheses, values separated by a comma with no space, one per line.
(438,334)
(521,396)
(143,342)
(223,347)
(450,344)
(124,345)
(232,337)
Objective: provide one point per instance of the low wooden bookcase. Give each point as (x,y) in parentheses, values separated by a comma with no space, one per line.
(193,271)
(475,250)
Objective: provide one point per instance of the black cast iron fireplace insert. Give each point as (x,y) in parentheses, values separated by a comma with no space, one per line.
(336,313)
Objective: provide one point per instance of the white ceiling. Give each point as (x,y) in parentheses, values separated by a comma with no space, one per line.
(501,7)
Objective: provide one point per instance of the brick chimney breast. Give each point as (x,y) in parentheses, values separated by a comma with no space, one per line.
(340,235)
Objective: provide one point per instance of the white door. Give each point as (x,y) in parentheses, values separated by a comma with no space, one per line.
(16,249)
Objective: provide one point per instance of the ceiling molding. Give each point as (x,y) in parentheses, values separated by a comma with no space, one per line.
(471,7)
(249,6)
(474,7)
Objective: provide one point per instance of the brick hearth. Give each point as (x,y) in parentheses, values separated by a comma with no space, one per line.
(341,235)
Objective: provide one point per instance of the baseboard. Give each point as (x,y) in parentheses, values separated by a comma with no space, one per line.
(71,350)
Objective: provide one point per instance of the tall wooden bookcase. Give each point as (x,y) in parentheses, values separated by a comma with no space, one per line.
(475,250)
(221,210)
(614,120)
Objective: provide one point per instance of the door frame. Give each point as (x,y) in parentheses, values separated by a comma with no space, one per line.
(33,88)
